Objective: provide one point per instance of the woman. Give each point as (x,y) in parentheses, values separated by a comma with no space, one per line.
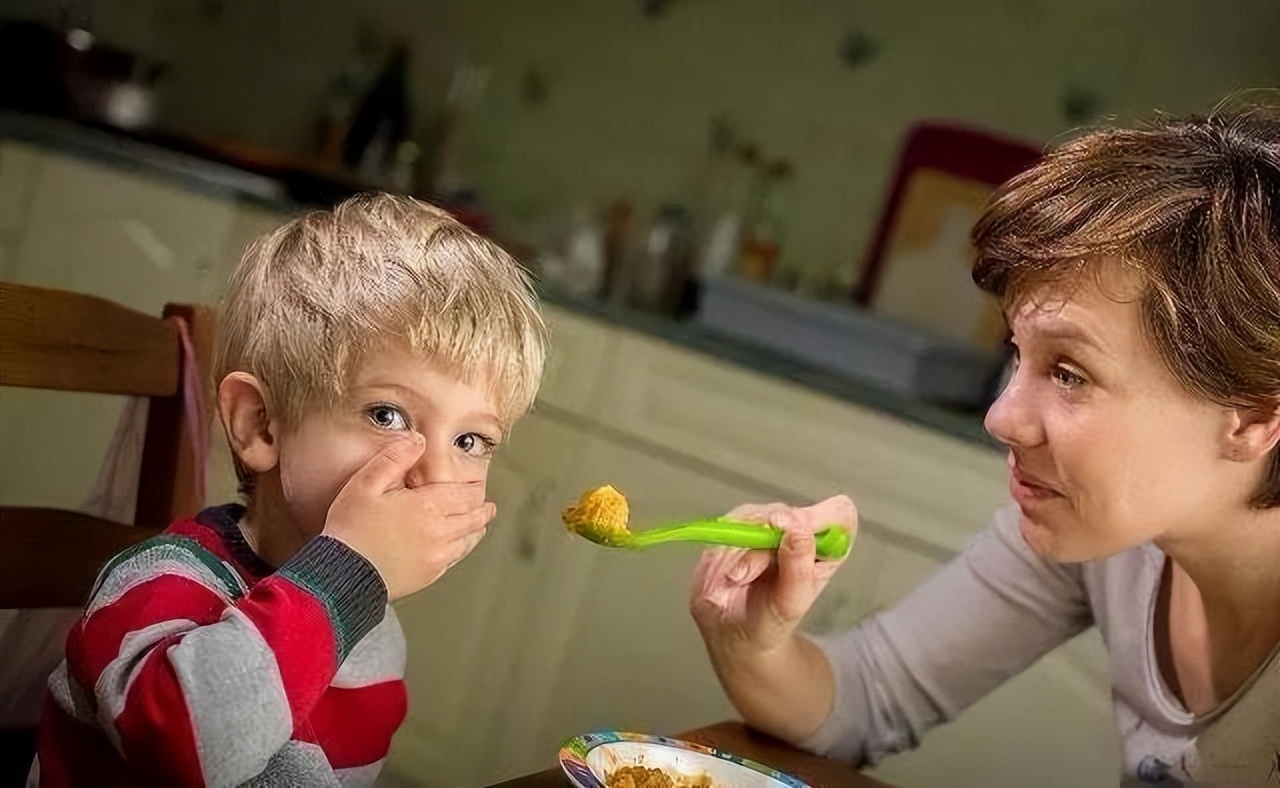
(1140,273)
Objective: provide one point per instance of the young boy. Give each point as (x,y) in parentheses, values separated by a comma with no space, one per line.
(370,359)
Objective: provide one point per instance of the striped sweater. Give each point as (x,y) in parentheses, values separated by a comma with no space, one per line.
(196,663)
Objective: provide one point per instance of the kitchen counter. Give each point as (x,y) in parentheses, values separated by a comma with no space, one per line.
(956,423)
(207,170)
(155,154)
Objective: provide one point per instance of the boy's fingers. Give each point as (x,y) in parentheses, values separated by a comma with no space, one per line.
(386,469)
(453,497)
(461,524)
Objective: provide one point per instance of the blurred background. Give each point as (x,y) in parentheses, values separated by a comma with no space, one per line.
(748,220)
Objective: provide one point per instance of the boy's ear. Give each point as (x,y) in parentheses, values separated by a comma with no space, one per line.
(242,408)
(1254,434)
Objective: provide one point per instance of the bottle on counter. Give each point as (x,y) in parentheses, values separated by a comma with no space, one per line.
(452,129)
(619,256)
(665,263)
(731,202)
(381,121)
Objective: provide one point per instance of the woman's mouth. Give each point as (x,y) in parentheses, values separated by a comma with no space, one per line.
(1027,489)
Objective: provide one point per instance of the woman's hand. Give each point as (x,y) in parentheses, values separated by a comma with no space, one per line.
(749,602)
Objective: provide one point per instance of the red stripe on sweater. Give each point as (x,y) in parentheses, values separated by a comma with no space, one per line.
(354,725)
(298,631)
(155,725)
(95,642)
(73,754)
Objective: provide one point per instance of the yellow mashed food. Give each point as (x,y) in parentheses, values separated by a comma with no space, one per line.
(603,509)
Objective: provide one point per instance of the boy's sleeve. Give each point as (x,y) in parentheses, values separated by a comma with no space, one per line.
(194,688)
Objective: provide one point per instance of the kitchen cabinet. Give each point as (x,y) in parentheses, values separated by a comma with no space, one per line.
(134,239)
(622,651)
(917,482)
(539,636)
(469,633)
(19,167)
(140,240)
(603,637)
(484,639)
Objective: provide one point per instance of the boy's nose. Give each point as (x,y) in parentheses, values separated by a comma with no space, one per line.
(437,464)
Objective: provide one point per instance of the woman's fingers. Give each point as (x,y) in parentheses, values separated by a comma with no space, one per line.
(836,510)
(796,586)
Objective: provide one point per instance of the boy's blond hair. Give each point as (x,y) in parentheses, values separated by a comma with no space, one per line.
(311,298)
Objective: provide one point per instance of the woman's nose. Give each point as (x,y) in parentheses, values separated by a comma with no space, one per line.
(1012,418)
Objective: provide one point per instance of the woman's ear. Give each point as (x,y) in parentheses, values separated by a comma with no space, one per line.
(1254,434)
(242,408)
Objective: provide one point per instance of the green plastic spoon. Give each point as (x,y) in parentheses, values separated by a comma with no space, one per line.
(833,542)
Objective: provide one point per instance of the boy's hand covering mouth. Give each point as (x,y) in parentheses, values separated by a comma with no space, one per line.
(411,535)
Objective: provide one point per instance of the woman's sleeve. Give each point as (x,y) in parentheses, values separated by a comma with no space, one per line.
(981,619)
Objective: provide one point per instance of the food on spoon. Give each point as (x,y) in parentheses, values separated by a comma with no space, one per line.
(602,511)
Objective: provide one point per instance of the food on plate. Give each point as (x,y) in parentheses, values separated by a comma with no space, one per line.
(644,777)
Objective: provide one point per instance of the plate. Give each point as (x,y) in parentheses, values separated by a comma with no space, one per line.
(589,758)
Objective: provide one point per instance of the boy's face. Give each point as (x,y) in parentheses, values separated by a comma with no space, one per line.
(392,391)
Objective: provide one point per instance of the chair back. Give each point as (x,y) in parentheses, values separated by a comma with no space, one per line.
(52,339)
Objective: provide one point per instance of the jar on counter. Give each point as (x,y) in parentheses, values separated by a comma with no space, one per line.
(763,235)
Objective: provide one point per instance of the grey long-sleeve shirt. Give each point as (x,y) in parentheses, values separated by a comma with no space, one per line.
(995,610)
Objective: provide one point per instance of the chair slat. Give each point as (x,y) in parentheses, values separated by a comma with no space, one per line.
(33,574)
(74,342)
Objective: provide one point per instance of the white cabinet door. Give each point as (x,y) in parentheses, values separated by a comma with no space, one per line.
(579,347)
(19,169)
(136,240)
(248,222)
(100,230)
(468,632)
(615,646)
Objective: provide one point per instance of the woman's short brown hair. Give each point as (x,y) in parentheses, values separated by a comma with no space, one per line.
(1191,203)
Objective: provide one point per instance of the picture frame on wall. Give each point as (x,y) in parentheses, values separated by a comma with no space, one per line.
(917,268)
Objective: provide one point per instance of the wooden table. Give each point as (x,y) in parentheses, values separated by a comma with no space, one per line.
(738,739)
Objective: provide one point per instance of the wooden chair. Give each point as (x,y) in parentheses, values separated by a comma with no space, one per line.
(50,339)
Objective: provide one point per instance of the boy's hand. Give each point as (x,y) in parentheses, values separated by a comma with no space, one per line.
(412,536)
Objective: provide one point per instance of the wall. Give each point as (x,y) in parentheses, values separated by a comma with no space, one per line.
(628,97)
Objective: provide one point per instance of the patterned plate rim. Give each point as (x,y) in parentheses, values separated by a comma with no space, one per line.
(573,756)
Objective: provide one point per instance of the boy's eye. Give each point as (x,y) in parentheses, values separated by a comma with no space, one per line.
(475,444)
(387,417)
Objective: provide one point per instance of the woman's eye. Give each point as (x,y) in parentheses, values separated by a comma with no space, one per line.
(475,444)
(1067,377)
(387,417)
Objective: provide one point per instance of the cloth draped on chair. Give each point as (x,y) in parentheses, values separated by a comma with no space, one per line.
(32,640)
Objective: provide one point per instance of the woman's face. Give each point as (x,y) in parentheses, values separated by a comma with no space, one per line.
(1106,449)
